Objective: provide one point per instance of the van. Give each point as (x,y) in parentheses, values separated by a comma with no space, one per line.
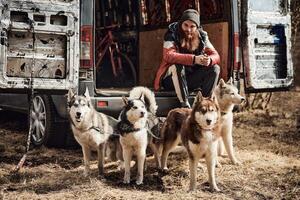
(50,46)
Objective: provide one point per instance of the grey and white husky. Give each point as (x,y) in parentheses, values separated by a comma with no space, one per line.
(91,129)
(228,96)
(136,120)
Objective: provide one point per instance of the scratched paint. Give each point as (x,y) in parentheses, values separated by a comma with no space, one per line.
(39,39)
(267,44)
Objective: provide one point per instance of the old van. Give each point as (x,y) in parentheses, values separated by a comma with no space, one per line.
(49,46)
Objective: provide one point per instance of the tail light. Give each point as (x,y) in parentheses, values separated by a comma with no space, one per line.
(237,53)
(102,104)
(86,47)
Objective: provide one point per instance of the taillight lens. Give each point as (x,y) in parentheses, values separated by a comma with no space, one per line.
(102,104)
(237,53)
(86,47)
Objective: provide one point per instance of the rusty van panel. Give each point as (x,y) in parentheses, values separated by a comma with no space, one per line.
(266,41)
(39,40)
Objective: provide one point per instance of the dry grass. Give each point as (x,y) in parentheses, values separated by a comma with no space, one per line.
(267,143)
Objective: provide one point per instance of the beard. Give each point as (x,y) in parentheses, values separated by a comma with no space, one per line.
(189,41)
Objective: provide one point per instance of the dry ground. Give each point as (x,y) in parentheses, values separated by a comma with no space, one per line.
(267,143)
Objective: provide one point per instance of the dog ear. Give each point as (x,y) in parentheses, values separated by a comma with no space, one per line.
(70,95)
(142,97)
(213,97)
(146,101)
(87,94)
(197,99)
(230,81)
(221,83)
(125,100)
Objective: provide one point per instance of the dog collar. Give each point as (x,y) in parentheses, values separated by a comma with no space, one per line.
(124,127)
(210,129)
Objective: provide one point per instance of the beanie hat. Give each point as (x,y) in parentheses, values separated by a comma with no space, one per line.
(191,14)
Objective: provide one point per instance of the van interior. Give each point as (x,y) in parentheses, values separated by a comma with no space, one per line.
(139,28)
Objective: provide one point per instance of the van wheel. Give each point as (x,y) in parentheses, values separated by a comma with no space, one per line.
(43,127)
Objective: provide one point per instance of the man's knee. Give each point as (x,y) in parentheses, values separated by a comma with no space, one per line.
(216,69)
(172,69)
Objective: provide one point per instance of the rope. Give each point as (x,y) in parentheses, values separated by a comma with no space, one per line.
(22,161)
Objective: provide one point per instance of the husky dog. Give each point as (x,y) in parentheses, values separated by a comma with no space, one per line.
(138,112)
(91,129)
(227,95)
(154,123)
(199,130)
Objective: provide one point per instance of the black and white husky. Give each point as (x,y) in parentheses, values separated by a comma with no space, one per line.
(136,120)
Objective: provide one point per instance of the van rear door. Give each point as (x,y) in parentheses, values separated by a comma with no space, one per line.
(39,44)
(266,43)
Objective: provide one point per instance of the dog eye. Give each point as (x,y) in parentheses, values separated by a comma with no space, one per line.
(232,94)
(134,107)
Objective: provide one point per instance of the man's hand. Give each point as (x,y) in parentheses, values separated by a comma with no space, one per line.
(202,60)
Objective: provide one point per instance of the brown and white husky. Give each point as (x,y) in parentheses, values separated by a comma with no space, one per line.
(199,131)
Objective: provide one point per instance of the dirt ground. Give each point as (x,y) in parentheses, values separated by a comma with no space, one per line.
(266,141)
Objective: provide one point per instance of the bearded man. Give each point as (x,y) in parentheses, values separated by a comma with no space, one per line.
(190,62)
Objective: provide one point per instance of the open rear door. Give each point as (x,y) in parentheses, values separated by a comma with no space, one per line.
(266,43)
(39,44)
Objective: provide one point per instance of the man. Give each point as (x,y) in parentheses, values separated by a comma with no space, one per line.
(189,59)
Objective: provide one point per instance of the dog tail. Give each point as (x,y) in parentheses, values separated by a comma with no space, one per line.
(148,95)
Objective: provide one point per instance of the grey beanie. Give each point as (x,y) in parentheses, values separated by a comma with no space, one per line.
(191,14)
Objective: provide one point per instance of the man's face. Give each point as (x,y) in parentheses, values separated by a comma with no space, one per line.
(189,28)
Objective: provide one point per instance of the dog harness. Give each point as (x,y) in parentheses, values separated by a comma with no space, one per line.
(125,126)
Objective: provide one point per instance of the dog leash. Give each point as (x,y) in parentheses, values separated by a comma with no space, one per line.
(151,133)
(22,161)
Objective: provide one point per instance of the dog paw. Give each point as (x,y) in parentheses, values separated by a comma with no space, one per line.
(126,180)
(215,189)
(165,169)
(236,162)
(121,165)
(139,182)
(218,165)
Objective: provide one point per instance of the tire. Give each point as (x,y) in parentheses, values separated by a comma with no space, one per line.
(42,121)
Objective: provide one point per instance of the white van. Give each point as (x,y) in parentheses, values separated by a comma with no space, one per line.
(49,46)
